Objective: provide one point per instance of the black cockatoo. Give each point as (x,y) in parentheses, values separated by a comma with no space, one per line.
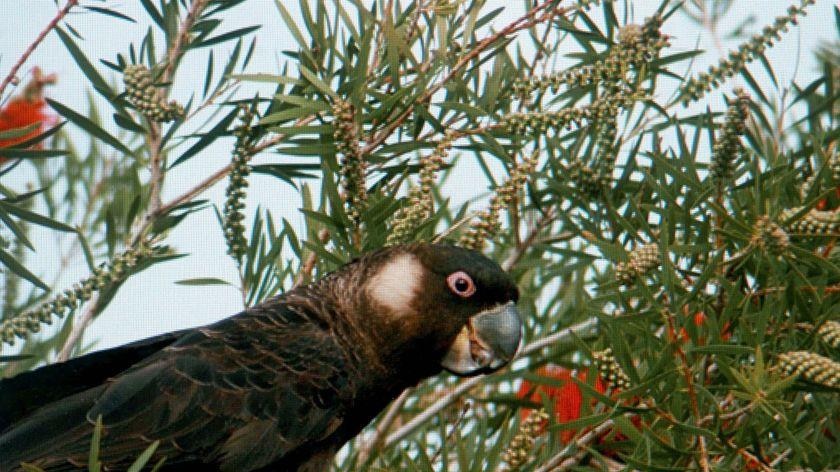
(280,386)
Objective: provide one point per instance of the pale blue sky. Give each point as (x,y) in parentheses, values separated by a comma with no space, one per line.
(151,303)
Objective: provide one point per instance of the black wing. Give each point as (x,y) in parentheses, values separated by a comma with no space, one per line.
(238,395)
(26,392)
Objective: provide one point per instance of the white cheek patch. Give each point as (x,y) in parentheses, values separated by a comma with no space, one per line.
(396,284)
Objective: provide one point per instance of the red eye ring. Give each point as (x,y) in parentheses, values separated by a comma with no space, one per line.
(461,284)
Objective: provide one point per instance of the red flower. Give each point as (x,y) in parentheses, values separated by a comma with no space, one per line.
(568,397)
(27,109)
(700,321)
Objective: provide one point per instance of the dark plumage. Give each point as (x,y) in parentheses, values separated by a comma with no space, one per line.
(280,386)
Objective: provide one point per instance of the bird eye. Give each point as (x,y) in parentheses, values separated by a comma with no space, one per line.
(461,284)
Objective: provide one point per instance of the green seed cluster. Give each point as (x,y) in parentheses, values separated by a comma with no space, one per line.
(420,203)
(814,223)
(834,166)
(610,371)
(352,164)
(811,367)
(642,260)
(594,180)
(586,179)
(30,321)
(638,45)
(728,145)
(729,66)
(541,122)
(830,333)
(236,190)
(486,225)
(143,94)
(519,450)
(769,236)
(607,149)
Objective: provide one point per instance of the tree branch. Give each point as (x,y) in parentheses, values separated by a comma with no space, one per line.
(156,167)
(524,22)
(367,448)
(80,324)
(28,52)
(574,452)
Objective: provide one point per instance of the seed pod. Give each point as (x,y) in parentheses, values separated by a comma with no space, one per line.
(610,371)
(813,223)
(519,450)
(353,166)
(22,324)
(642,260)
(769,236)
(811,367)
(142,93)
(830,333)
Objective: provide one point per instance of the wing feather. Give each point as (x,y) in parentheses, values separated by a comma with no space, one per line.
(240,394)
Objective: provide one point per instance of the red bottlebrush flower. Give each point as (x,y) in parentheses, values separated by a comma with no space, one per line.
(822,204)
(27,109)
(700,321)
(568,397)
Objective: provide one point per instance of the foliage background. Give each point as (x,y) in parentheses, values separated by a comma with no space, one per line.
(563,237)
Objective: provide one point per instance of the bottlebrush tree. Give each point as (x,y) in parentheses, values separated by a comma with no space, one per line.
(672,227)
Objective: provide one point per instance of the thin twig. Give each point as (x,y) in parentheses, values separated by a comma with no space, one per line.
(580,329)
(80,323)
(28,52)
(387,16)
(178,46)
(309,264)
(367,448)
(414,21)
(574,452)
(519,24)
(463,414)
(173,55)
(190,194)
(156,167)
(538,227)
(778,460)
(703,460)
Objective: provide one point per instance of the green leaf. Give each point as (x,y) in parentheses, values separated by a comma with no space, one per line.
(18,132)
(98,82)
(30,468)
(37,139)
(581,423)
(18,269)
(129,124)
(290,23)
(15,357)
(270,78)
(238,33)
(86,124)
(202,281)
(108,12)
(12,153)
(143,458)
(317,82)
(35,218)
(219,130)
(153,13)
(722,349)
(94,465)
